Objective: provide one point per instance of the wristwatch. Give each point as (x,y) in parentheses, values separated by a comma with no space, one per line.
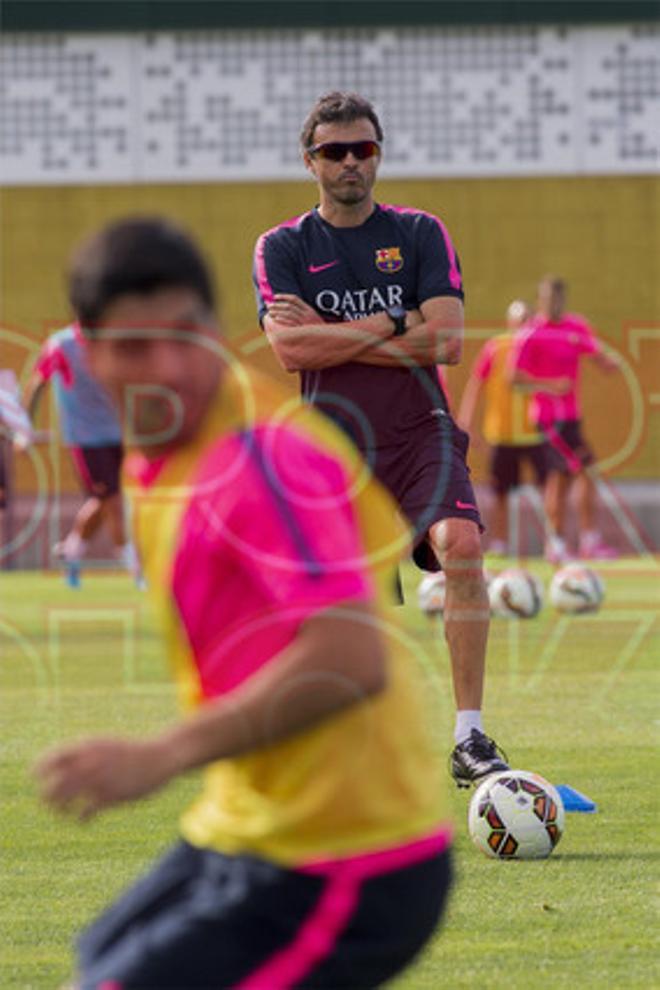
(398,316)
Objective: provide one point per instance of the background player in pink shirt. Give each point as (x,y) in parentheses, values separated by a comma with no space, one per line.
(507,429)
(548,363)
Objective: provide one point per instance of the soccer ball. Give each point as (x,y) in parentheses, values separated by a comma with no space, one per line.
(432,590)
(515,594)
(576,588)
(431,593)
(516,814)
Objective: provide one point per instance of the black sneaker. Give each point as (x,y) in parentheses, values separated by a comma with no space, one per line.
(475,759)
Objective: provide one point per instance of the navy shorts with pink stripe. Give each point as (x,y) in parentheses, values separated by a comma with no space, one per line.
(202,919)
(568,451)
(428,476)
(99,469)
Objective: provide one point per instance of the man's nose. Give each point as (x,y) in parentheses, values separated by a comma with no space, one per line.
(167,365)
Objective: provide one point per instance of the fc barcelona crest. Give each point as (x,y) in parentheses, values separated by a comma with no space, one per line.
(389,259)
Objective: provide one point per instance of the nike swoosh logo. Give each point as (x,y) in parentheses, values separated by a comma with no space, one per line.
(321,268)
(464,505)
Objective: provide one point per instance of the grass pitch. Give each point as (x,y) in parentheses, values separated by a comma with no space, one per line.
(574,699)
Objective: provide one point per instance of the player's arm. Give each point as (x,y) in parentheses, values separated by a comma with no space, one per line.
(526,382)
(604,360)
(304,341)
(434,332)
(434,335)
(300,337)
(31,399)
(337,660)
(33,393)
(472,391)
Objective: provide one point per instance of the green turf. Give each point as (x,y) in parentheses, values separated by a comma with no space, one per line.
(574,699)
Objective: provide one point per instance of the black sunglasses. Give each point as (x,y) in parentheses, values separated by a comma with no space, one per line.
(336,151)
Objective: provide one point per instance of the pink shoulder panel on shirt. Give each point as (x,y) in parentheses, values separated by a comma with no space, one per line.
(53,361)
(455,279)
(265,288)
(269,539)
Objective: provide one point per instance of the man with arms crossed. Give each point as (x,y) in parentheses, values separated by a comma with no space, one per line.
(364,301)
(316,854)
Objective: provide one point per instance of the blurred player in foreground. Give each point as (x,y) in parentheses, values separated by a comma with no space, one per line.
(316,854)
(364,300)
(507,428)
(91,430)
(547,363)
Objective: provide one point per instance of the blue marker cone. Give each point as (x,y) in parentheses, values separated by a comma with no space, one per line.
(574,801)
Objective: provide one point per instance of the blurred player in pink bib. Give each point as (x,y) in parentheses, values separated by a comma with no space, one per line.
(548,363)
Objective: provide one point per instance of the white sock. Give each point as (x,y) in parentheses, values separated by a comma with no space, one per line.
(128,556)
(467,719)
(556,544)
(74,547)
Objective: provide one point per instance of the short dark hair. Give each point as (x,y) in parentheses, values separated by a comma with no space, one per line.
(555,282)
(338,108)
(134,255)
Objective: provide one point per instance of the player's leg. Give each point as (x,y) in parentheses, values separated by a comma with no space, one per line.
(457,545)
(591,543)
(504,476)
(87,520)
(557,488)
(197,919)
(73,547)
(201,919)
(393,917)
(563,465)
(539,457)
(440,502)
(107,469)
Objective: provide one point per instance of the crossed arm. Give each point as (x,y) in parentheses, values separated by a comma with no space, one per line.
(337,660)
(302,340)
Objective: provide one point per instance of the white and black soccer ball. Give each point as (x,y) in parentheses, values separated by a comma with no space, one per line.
(515,594)
(431,593)
(575,589)
(516,814)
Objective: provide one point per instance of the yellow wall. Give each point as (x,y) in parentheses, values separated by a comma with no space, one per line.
(602,234)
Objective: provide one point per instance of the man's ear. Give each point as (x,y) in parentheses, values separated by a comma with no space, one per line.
(309,163)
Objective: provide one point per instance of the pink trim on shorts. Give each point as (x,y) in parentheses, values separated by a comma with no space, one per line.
(315,940)
(81,467)
(455,279)
(318,935)
(265,288)
(556,441)
(373,864)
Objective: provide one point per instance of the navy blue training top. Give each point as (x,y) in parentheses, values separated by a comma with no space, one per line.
(398,256)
